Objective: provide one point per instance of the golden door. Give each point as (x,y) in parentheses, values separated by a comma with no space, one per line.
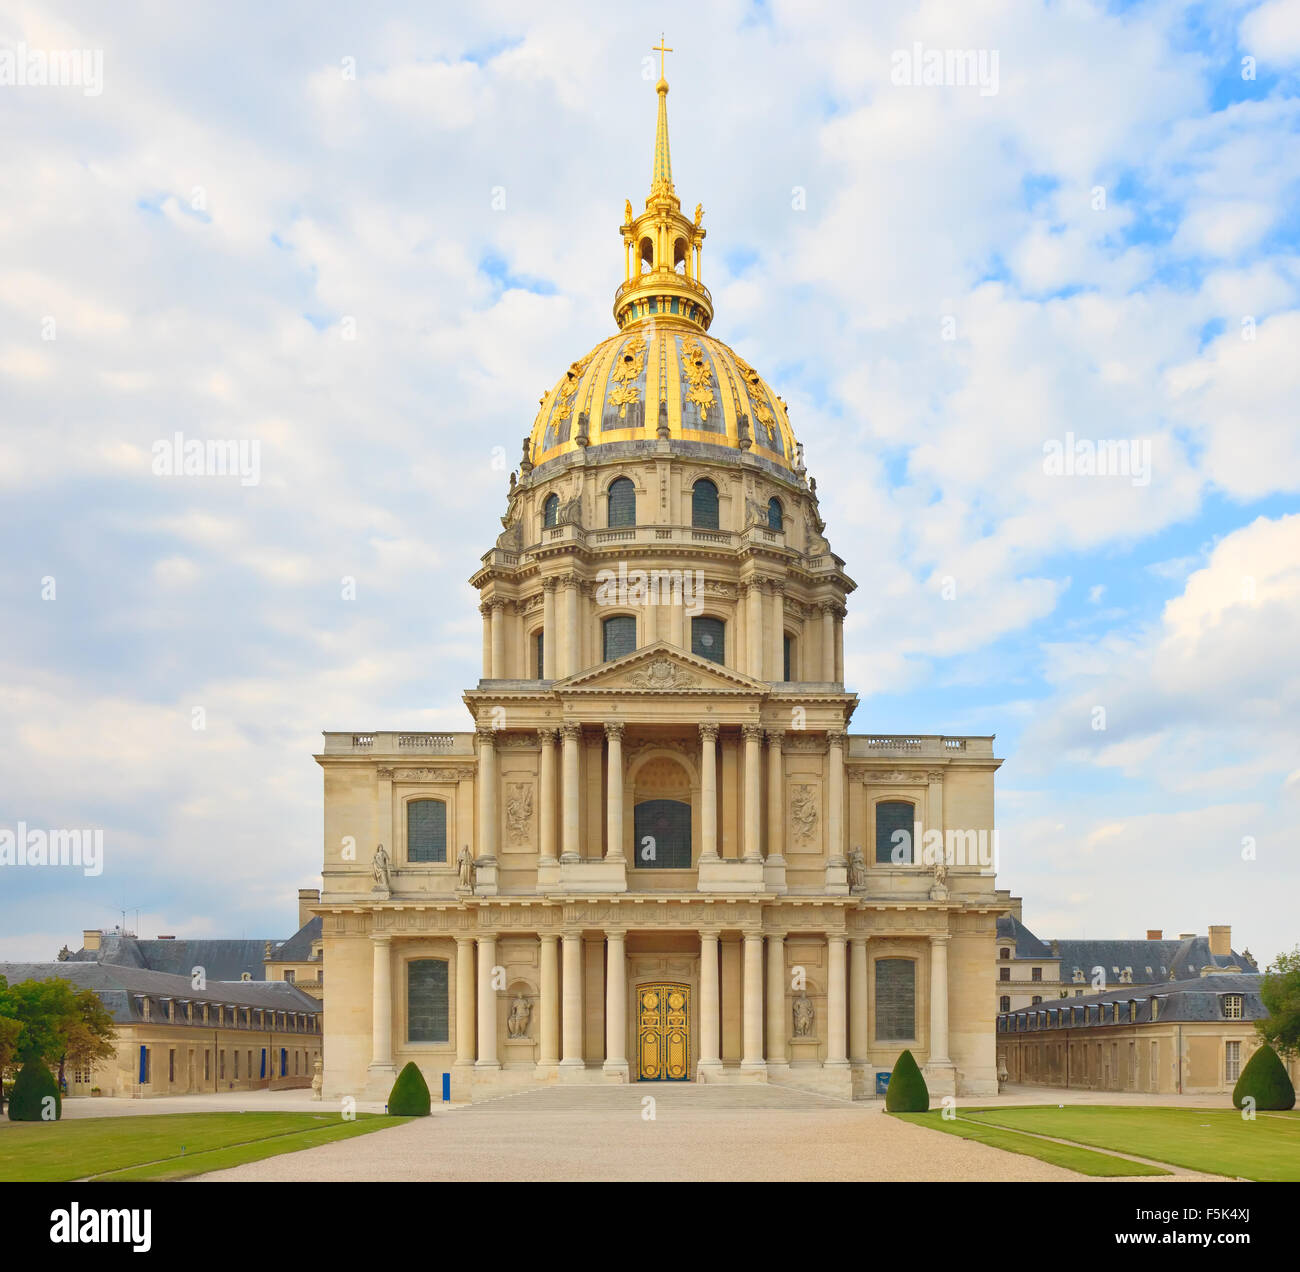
(663,1033)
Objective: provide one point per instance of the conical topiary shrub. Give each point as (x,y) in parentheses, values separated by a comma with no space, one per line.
(410,1094)
(27,1099)
(1264,1078)
(907,1092)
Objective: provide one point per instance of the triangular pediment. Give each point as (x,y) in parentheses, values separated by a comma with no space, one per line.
(661,668)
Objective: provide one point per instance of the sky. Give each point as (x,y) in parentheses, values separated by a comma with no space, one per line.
(368,238)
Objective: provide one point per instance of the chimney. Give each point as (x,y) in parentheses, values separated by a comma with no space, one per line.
(1220,937)
(90,937)
(1187,936)
(1155,934)
(308,897)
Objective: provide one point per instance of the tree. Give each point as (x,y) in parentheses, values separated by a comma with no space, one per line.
(58,1022)
(10,1029)
(1264,1080)
(1279,991)
(907,1092)
(410,1094)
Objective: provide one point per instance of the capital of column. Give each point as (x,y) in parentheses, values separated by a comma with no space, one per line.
(381,938)
(776,738)
(483,733)
(940,938)
(709,732)
(571,729)
(498,603)
(550,584)
(614,729)
(547,735)
(485,609)
(835,737)
(751,732)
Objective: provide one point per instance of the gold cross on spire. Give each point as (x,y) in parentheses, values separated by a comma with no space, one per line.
(661,49)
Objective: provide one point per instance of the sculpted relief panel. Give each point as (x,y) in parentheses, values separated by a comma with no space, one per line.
(804,802)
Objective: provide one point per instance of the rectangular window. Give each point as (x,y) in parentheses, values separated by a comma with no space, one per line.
(662,831)
(619,636)
(1232,1061)
(207,1066)
(171,1065)
(709,639)
(1036,974)
(895,999)
(1232,1006)
(221,1065)
(236,1066)
(539,646)
(426,1000)
(426,830)
(895,824)
(1004,973)
(785,658)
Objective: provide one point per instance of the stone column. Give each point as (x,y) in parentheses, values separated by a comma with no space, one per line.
(776,1023)
(487,1004)
(573,1058)
(710,1024)
(858,1042)
(487,794)
(465,1052)
(381,1032)
(709,793)
(486,611)
(752,1057)
(776,632)
(939,998)
(549,1025)
(839,645)
(616,1003)
(548,629)
(498,640)
(835,851)
(614,792)
(775,797)
(753,736)
(828,640)
(572,795)
(836,1002)
(572,632)
(546,801)
(754,629)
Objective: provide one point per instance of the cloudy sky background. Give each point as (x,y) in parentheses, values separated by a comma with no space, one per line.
(203,232)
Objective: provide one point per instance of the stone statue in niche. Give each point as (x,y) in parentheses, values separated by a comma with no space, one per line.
(465,868)
(804,1015)
(857,870)
(379,869)
(521,1011)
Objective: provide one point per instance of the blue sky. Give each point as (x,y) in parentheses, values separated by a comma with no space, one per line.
(370,242)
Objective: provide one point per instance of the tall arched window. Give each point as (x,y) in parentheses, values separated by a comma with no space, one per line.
(550,511)
(895,999)
(426,1000)
(426,830)
(895,821)
(619,636)
(704,505)
(539,650)
(709,639)
(775,519)
(622,503)
(787,657)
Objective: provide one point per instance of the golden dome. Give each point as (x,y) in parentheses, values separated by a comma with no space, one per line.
(662,378)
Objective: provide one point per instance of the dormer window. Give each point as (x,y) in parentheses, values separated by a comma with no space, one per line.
(1232,1004)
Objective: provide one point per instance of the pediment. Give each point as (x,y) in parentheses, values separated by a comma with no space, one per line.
(661,668)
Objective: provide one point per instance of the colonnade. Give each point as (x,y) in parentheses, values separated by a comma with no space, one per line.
(568,737)
(765,1019)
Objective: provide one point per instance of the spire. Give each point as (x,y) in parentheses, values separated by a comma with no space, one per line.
(662,179)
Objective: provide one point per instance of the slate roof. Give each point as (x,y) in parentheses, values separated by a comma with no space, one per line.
(1200,998)
(120,988)
(297,949)
(1152,962)
(221,960)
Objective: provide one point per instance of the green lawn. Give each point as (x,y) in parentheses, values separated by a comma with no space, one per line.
(1218,1141)
(166,1146)
(1070,1156)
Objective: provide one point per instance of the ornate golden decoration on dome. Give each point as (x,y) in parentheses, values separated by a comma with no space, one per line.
(698,375)
(627,371)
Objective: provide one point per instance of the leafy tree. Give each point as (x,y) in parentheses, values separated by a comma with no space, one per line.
(58,1023)
(35,1085)
(10,1029)
(1280,993)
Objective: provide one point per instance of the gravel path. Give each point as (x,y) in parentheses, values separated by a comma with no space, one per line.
(697,1133)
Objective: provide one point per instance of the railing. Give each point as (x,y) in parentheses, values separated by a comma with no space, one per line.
(383,743)
(919,744)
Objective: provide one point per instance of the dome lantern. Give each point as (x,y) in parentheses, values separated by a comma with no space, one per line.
(661,246)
